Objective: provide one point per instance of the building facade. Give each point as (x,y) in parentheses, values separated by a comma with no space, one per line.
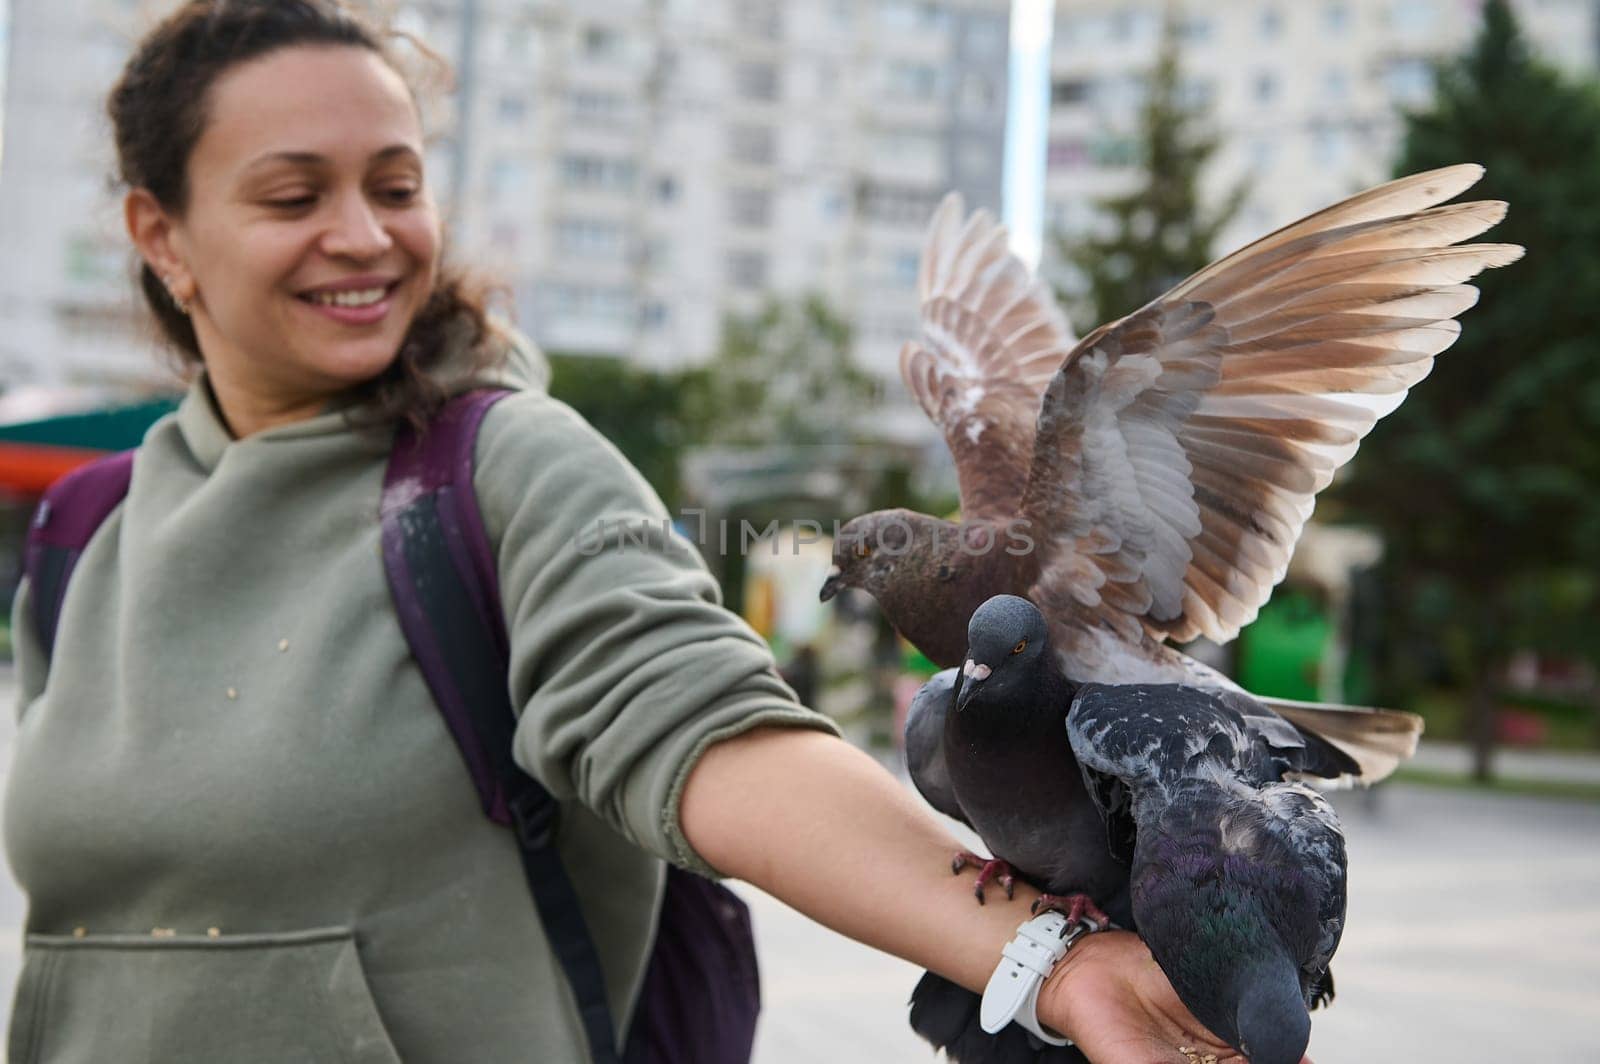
(631,171)
(1304,95)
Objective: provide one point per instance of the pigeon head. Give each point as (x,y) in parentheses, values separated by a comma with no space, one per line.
(874,550)
(1007,640)
(1271,1020)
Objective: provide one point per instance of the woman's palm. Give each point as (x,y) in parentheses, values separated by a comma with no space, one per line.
(1121,1009)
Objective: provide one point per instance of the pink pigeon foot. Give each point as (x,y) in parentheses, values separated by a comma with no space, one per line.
(988,869)
(1074,907)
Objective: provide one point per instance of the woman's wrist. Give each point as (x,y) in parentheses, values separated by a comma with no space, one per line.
(1095,962)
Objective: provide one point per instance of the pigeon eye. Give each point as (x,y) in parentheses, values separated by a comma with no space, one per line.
(1022,644)
(863,549)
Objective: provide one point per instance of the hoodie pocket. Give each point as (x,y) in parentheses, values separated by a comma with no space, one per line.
(196,999)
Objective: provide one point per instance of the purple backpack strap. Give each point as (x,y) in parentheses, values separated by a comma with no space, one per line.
(429,516)
(701,994)
(442,574)
(68,515)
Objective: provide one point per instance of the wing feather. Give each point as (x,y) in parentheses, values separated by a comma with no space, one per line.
(992,339)
(1180,450)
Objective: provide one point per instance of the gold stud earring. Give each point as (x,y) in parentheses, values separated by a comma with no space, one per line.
(181,304)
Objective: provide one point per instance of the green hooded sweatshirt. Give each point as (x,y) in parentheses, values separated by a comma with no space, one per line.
(243,828)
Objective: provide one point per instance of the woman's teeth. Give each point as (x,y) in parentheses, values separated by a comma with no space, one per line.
(363,298)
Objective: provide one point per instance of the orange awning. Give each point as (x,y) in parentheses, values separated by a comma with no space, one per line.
(29,468)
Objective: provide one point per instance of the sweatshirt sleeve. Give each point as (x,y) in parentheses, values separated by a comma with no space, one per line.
(625,666)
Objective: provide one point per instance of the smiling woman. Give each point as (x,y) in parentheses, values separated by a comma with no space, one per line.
(234,802)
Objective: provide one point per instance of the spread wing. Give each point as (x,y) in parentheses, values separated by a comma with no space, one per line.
(992,337)
(1180,450)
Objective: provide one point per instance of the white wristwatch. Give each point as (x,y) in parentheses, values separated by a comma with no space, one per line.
(1012,995)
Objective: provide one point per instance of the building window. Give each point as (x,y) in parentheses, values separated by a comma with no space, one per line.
(920,15)
(598,172)
(904,267)
(986,37)
(1271,23)
(653,315)
(1336,16)
(592,238)
(912,81)
(666,188)
(750,207)
(1335,84)
(1196,29)
(511,109)
(1266,87)
(508,178)
(977,94)
(1111,149)
(1409,81)
(760,18)
(601,42)
(656,254)
(747,269)
(1068,153)
(1070,92)
(503,237)
(1412,17)
(906,147)
(598,303)
(896,204)
(593,106)
(752,145)
(756,81)
(1197,92)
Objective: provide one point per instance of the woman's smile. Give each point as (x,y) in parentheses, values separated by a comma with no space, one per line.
(355,301)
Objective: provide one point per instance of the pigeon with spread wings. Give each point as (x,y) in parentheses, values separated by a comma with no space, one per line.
(1148,483)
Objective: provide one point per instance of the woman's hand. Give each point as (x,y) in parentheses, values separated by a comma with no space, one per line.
(1113,999)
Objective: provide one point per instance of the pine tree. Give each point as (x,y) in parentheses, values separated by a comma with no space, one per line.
(1160,232)
(1486,482)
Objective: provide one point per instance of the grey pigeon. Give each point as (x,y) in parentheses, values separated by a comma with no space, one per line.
(1237,870)
(1177,809)
(1148,484)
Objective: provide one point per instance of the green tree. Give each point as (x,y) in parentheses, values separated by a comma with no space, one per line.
(784,375)
(1160,232)
(1486,482)
(639,410)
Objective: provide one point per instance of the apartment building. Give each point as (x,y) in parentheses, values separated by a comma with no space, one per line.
(631,171)
(1305,95)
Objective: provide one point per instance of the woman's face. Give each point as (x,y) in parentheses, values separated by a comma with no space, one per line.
(310,240)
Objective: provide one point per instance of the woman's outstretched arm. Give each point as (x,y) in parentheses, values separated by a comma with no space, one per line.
(821,826)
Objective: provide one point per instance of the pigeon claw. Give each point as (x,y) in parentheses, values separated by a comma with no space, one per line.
(1074,907)
(989,870)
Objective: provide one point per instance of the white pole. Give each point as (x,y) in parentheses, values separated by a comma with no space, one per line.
(1028,125)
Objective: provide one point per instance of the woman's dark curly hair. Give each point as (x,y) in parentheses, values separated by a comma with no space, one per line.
(158,113)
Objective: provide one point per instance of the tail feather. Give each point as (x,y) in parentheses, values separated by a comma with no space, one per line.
(946,1016)
(1376,739)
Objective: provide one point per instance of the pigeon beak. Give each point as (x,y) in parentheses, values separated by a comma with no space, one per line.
(972,674)
(832,585)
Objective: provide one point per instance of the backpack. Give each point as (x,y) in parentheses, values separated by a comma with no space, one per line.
(701,992)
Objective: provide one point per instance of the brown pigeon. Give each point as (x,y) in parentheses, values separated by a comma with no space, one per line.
(1146,485)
